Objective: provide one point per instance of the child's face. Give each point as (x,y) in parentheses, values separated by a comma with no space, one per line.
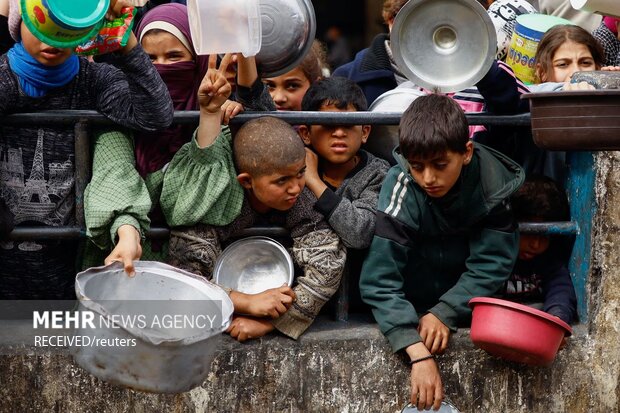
(571,57)
(335,144)
(164,48)
(278,190)
(41,52)
(438,174)
(531,246)
(288,90)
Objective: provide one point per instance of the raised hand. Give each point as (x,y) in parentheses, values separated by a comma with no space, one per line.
(214,88)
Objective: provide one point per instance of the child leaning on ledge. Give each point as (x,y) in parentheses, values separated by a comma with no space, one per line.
(445,233)
(270,163)
(40,191)
(540,274)
(345,178)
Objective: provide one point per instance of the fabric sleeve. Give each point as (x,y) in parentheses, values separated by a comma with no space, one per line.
(255,98)
(194,249)
(610,43)
(493,251)
(200,185)
(353,220)
(131,93)
(321,256)
(560,299)
(116,194)
(502,90)
(382,282)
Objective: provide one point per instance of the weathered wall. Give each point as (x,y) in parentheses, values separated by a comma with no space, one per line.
(340,367)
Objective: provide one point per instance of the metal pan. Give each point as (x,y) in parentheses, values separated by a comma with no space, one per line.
(288,30)
(444,44)
(254,264)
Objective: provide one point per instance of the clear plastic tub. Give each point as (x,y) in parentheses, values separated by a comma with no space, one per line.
(225,26)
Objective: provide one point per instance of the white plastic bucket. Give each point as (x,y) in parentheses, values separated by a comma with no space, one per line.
(225,26)
(604,7)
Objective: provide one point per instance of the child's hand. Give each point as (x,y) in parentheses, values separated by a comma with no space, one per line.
(116,7)
(611,68)
(230,109)
(434,333)
(127,249)
(426,386)
(578,86)
(214,88)
(271,303)
(313,180)
(244,328)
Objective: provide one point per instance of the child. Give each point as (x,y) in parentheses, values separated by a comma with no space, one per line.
(269,158)
(608,37)
(562,51)
(540,274)
(444,234)
(345,178)
(288,90)
(38,161)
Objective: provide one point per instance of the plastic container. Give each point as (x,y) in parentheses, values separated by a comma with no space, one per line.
(576,120)
(528,31)
(225,26)
(604,7)
(62,23)
(516,332)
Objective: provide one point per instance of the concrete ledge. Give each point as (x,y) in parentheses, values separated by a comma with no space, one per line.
(335,367)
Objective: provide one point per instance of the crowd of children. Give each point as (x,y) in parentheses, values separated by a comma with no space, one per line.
(433,231)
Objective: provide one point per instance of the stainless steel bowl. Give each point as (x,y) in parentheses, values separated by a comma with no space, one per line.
(444,44)
(254,264)
(288,27)
(446,407)
(164,358)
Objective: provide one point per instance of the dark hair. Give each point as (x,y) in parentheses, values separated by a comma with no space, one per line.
(338,91)
(391,9)
(556,37)
(313,63)
(265,145)
(432,124)
(540,197)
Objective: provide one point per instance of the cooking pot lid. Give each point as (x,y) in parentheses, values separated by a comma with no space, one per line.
(288,30)
(444,44)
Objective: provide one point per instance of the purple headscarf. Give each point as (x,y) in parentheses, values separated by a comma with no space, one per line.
(154,150)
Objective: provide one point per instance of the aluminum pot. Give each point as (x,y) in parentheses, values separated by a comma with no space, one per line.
(288,30)
(155,332)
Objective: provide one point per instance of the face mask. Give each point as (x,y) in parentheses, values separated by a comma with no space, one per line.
(180,80)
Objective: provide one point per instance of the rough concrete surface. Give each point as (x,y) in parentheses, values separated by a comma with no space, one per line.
(348,367)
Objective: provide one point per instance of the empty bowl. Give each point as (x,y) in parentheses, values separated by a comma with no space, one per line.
(254,264)
(515,331)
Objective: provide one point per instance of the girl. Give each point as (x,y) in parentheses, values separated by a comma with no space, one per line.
(288,90)
(564,50)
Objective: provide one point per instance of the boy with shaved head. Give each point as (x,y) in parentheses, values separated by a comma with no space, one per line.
(268,169)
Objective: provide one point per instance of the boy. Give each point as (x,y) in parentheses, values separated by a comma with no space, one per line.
(345,178)
(540,274)
(269,158)
(38,162)
(444,234)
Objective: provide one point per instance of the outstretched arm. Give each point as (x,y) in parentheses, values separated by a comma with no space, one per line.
(212,93)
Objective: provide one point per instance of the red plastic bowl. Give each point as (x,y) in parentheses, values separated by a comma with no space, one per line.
(516,332)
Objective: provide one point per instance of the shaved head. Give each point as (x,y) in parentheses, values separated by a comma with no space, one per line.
(265,145)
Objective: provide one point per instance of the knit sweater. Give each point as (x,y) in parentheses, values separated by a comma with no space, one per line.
(317,250)
(37,162)
(350,209)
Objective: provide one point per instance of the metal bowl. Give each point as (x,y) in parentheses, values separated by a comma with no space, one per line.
(288,27)
(444,44)
(127,346)
(253,265)
(446,407)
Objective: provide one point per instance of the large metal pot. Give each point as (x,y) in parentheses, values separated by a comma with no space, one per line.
(156,332)
(288,30)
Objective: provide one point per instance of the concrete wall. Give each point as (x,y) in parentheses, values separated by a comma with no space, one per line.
(339,367)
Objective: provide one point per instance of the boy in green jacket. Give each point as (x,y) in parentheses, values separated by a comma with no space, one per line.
(445,233)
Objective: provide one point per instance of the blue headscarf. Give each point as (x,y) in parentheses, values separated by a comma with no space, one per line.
(35,78)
